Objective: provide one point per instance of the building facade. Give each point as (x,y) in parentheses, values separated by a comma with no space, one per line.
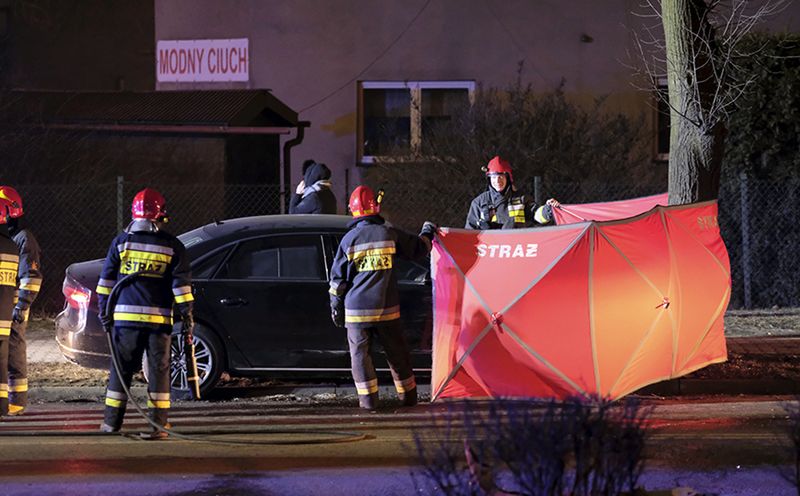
(354,67)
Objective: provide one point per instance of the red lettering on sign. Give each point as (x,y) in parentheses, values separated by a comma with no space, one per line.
(163,61)
(173,61)
(212,61)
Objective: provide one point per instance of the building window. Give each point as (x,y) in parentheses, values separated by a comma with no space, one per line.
(395,117)
(662,120)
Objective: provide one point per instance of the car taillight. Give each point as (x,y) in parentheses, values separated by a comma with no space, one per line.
(78,298)
(77,295)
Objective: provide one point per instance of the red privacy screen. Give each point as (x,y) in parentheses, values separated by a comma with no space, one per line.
(591,308)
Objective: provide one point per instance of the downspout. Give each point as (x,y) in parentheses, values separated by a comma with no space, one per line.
(287,164)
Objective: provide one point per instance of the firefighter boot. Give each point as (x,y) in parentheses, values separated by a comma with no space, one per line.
(409,398)
(368,401)
(108,428)
(112,418)
(156,434)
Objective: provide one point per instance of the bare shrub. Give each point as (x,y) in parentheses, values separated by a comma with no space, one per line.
(577,447)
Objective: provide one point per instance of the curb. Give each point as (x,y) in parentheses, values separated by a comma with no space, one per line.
(686,387)
(96,394)
(670,388)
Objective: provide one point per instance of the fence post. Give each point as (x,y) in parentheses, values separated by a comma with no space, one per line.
(537,190)
(120,200)
(745,227)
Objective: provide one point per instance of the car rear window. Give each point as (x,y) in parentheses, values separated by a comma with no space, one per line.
(269,257)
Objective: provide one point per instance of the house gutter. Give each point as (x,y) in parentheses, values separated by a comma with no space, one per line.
(287,163)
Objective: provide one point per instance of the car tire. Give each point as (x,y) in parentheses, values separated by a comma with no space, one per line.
(210,363)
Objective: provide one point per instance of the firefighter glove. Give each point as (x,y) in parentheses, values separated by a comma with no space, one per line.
(428,230)
(187,325)
(18,315)
(106,321)
(337,316)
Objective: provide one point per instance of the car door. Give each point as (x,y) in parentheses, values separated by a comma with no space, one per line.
(271,297)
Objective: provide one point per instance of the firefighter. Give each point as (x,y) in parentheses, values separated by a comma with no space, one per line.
(142,315)
(501,206)
(9,265)
(30,280)
(313,194)
(364,296)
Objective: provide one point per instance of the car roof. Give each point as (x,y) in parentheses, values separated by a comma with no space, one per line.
(298,222)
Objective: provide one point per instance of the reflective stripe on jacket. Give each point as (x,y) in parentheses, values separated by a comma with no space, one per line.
(30,271)
(362,275)
(9,266)
(147,300)
(490,210)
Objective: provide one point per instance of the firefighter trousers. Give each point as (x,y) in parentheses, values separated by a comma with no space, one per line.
(3,376)
(390,336)
(18,365)
(130,342)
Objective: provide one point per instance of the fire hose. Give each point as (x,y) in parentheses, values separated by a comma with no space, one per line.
(326,437)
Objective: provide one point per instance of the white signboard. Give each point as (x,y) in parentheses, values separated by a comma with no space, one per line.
(202,60)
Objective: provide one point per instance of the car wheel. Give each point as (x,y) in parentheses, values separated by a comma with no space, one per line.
(210,363)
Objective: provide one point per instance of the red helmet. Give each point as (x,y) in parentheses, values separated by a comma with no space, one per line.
(12,201)
(363,202)
(149,204)
(5,206)
(499,166)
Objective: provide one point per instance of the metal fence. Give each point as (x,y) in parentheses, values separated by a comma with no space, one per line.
(758,220)
(77,222)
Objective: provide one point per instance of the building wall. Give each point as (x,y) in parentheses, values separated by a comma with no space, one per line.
(77,45)
(312,53)
(78,157)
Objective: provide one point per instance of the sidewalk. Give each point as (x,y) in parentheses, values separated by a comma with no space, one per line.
(44,349)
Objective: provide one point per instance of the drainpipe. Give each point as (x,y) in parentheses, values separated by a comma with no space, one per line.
(287,164)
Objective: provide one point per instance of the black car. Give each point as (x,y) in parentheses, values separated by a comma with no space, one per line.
(261,303)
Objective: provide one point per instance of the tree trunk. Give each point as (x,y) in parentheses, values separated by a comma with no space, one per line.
(697,135)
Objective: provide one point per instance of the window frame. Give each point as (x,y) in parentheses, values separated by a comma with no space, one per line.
(234,248)
(415,111)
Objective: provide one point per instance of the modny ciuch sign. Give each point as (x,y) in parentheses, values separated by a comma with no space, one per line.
(202,60)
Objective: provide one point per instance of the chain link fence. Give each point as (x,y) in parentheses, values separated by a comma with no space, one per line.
(758,220)
(77,222)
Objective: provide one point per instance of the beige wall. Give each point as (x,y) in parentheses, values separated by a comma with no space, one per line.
(304,50)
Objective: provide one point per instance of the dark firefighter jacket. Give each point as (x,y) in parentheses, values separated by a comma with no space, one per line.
(30,272)
(494,210)
(317,198)
(9,265)
(362,276)
(146,300)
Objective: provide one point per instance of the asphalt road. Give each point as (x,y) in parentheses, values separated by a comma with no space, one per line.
(717,446)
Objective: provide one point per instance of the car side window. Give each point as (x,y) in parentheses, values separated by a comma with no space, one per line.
(206,267)
(272,257)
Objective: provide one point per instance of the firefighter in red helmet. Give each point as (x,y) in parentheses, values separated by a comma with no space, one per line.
(29,281)
(364,296)
(9,264)
(501,206)
(141,318)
